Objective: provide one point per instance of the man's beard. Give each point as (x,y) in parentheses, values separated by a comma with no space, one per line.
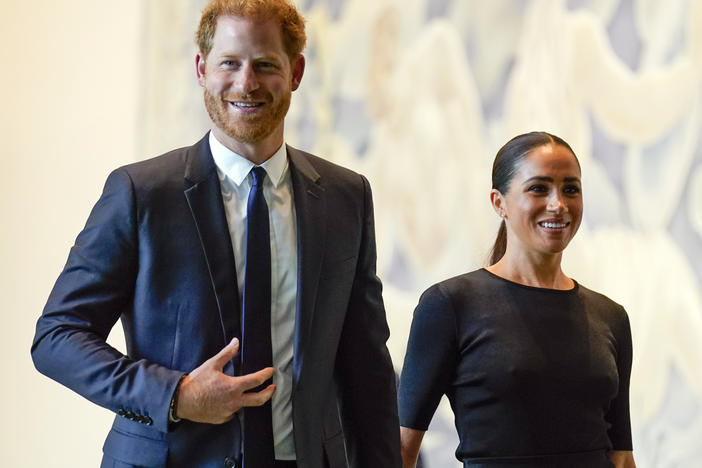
(243,128)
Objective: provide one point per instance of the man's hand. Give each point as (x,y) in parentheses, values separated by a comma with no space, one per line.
(207,395)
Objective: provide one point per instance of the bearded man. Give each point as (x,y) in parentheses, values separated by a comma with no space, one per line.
(243,271)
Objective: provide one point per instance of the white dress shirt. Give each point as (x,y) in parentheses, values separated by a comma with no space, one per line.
(235,180)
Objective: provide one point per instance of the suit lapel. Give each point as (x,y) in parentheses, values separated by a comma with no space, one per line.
(310,209)
(204,196)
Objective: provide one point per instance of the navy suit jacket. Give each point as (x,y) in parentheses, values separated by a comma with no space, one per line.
(156,253)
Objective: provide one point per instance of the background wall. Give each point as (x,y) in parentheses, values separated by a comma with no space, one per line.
(70,90)
(413,93)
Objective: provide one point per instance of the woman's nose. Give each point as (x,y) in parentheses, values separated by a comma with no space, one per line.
(556,203)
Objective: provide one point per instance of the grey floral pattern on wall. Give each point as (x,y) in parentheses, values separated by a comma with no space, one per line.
(418,95)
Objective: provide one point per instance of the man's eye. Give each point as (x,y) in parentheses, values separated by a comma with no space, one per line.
(267,66)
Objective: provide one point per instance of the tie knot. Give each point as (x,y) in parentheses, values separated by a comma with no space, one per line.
(258,174)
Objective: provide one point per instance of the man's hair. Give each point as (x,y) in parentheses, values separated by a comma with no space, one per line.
(292,24)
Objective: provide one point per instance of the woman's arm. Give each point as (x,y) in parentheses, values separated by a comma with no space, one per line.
(411,440)
(620,458)
(618,415)
(430,365)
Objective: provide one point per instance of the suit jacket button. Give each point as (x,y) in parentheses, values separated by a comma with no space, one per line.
(229,462)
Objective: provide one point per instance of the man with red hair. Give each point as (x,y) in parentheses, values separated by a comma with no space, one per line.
(243,271)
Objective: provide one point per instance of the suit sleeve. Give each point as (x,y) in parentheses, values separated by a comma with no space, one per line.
(367,373)
(94,289)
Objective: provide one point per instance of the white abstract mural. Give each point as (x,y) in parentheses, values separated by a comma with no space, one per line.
(419,94)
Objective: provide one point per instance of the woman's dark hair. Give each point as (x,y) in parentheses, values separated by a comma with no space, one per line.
(505,166)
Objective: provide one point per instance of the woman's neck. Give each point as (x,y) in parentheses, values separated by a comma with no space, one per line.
(541,271)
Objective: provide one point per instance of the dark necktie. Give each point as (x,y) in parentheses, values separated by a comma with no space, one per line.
(256,352)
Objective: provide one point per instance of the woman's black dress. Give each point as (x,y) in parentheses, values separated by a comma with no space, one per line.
(536,377)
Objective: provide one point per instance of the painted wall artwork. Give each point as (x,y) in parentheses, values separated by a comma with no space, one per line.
(418,95)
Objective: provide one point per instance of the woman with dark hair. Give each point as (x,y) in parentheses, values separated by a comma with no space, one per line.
(536,366)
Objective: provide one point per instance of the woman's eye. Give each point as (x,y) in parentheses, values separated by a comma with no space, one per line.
(539,188)
(571,190)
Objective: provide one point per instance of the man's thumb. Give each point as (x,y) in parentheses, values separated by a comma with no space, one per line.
(226,354)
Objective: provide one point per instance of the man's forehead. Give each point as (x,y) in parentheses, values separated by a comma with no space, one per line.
(240,34)
(247,27)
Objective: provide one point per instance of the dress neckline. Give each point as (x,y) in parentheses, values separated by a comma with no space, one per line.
(533,288)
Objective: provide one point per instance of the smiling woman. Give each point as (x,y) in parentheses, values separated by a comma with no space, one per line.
(535,365)
(548,153)
(536,190)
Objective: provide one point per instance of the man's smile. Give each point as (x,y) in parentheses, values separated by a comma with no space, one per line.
(246,106)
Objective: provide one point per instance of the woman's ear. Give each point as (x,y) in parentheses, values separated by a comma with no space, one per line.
(498,203)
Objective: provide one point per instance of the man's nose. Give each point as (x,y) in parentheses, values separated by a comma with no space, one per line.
(246,80)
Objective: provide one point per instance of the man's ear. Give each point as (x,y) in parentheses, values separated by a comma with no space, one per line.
(498,203)
(200,68)
(297,66)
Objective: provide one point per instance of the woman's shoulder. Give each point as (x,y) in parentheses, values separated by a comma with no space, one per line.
(597,298)
(477,281)
(603,305)
(452,297)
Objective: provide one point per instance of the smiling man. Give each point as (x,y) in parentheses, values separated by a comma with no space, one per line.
(243,271)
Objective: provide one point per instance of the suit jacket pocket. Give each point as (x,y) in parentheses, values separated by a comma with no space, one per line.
(335,451)
(136,450)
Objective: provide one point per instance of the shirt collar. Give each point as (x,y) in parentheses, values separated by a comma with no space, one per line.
(237,167)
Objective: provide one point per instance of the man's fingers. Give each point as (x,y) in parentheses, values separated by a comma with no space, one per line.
(227,353)
(249,381)
(258,398)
